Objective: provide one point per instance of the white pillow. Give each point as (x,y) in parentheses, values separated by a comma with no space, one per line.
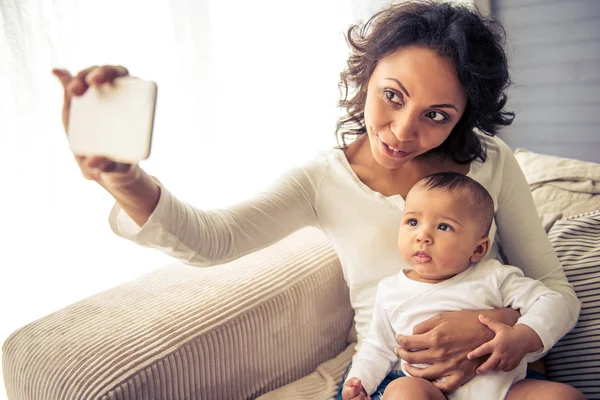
(561,187)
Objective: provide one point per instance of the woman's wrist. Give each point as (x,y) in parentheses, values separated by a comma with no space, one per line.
(138,197)
(508,316)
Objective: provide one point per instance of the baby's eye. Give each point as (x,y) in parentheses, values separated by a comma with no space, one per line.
(444,227)
(412,222)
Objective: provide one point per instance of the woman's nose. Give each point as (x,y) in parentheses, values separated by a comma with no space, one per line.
(404,126)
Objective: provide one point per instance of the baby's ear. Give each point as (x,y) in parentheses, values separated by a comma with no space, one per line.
(481,249)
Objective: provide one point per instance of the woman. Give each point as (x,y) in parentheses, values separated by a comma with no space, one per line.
(421,78)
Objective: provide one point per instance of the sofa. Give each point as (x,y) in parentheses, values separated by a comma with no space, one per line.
(275,324)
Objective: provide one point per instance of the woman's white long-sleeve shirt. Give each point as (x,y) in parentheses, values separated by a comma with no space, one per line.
(362,226)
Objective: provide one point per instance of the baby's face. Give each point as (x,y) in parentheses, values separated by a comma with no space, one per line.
(439,235)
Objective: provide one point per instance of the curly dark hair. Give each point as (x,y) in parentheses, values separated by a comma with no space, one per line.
(472,42)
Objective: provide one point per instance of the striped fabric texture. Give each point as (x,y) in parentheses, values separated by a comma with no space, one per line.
(575,359)
(234,331)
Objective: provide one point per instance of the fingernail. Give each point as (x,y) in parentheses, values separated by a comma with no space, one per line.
(92,76)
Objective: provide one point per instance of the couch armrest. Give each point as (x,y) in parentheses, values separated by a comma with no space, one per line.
(232,331)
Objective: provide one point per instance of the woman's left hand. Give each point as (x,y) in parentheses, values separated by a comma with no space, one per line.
(444,342)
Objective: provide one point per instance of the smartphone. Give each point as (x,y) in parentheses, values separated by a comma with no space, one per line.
(114,121)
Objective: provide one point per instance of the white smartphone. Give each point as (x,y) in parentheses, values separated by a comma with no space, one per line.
(114,121)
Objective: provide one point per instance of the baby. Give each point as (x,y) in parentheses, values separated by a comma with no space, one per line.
(443,236)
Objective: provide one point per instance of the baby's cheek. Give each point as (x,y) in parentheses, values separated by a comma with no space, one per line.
(406,256)
(403,243)
(452,260)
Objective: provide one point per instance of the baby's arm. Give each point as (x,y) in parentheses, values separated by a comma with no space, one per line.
(376,356)
(511,344)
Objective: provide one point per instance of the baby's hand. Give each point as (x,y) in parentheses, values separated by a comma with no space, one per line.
(508,348)
(353,390)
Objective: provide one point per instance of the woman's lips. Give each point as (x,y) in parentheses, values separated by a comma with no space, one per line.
(392,151)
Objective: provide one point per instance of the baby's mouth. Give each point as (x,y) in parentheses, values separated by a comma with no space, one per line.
(422,257)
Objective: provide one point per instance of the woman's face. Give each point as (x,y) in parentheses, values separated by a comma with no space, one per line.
(414,99)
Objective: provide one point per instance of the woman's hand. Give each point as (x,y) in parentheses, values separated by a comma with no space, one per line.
(444,342)
(107,173)
(132,188)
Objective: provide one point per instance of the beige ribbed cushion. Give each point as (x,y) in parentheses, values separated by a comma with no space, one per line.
(228,332)
(322,384)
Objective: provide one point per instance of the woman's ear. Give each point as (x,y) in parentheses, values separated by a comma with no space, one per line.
(480,250)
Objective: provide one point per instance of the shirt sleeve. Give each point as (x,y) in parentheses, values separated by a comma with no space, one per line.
(530,297)
(375,357)
(525,244)
(204,238)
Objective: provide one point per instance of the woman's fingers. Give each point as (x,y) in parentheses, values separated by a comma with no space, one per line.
(416,357)
(102,164)
(95,76)
(92,167)
(430,373)
(63,76)
(91,76)
(414,342)
(78,85)
(99,163)
(105,74)
(428,324)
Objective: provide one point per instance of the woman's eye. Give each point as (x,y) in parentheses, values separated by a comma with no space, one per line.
(436,116)
(444,227)
(412,222)
(392,96)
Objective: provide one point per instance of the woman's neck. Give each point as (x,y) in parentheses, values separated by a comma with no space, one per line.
(399,180)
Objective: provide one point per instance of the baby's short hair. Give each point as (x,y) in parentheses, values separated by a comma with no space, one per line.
(467,189)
